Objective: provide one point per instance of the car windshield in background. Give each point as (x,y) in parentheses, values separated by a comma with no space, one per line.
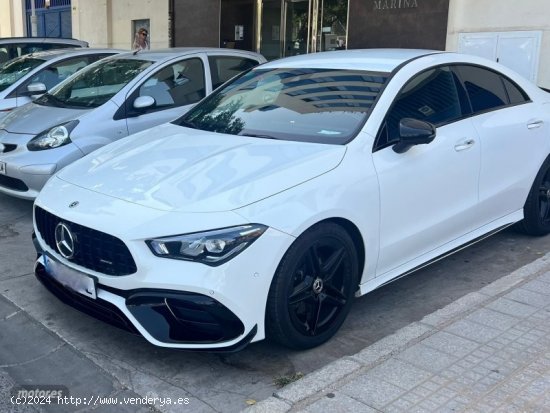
(310,105)
(95,84)
(13,70)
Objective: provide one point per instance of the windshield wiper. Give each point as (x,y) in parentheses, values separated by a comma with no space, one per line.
(258,135)
(50,100)
(187,124)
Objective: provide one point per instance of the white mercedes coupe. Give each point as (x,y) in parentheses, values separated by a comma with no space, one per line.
(295,187)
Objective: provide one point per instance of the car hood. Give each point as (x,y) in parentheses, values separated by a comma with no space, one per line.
(172,168)
(31,119)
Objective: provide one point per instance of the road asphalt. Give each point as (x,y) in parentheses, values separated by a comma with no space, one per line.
(489,351)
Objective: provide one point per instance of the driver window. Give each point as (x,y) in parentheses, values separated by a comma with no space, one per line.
(178,84)
(431,96)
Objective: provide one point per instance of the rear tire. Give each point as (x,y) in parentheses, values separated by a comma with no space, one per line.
(313,289)
(536,211)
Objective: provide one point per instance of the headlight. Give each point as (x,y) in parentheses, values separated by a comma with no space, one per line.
(52,138)
(211,247)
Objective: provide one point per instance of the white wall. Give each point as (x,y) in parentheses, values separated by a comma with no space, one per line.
(12,21)
(469,16)
(108,23)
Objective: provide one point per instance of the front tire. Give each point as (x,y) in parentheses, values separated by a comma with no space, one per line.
(313,288)
(536,211)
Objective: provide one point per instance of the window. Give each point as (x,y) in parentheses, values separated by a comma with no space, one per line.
(179,84)
(59,71)
(223,68)
(432,96)
(484,87)
(515,94)
(298,104)
(96,84)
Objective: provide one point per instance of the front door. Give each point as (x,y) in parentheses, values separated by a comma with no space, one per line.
(429,194)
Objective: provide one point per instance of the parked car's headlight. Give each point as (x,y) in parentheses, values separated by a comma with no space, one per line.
(211,247)
(52,138)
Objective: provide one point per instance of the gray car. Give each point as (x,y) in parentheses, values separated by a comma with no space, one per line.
(29,76)
(110,99)
(12,47)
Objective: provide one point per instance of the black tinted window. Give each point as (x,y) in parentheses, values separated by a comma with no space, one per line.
(484,87)
(223,68)
(515,94)
(431,96)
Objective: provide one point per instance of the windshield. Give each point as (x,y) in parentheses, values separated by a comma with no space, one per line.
(95,84)
(13,70)
(310,105)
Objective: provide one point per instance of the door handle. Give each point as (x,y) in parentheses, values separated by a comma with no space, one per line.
(535,125)
(465,144)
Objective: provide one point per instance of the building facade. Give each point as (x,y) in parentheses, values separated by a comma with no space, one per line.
(280,28)
(514,33)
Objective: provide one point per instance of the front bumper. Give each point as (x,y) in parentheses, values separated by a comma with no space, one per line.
(171,303)
(171,317)
(28,171)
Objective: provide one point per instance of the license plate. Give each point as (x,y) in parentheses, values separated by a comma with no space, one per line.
(3,168)
(71,279)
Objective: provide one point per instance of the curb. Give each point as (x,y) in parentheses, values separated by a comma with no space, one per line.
(316,384)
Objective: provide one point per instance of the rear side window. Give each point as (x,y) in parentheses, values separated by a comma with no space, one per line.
(223,68)
(515,94)
(485,88)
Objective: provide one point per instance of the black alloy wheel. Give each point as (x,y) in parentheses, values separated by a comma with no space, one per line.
(313,289)
(536,211)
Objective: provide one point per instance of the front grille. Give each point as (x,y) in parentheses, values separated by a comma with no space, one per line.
(12,183)
(95,250)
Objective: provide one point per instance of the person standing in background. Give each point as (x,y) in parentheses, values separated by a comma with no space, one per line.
(141,41)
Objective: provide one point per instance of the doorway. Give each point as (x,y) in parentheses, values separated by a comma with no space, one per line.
(294,27)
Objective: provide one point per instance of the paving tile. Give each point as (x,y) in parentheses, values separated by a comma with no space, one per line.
(339,403)
(400,373)
(528,297)
(492,319)
(65,367)
(513,308)
(537,287)
(450,344)
(372,391)
(427,358)
(473,331)
(38,341)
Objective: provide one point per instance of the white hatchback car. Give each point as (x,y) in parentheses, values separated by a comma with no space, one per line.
(305,182)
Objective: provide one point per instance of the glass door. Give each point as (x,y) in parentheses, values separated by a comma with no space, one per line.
(296,20)
(293,27)
(269,28)
(332,28)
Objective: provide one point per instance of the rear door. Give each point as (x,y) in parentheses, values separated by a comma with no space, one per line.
(512,130)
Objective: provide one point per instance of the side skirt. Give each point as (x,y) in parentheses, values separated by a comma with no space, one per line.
(440,253)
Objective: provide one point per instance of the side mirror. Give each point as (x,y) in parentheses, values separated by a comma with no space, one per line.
(35,89)
(144,102)
(413,132)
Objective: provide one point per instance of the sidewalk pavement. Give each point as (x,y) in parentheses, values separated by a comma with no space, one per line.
(487,352)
